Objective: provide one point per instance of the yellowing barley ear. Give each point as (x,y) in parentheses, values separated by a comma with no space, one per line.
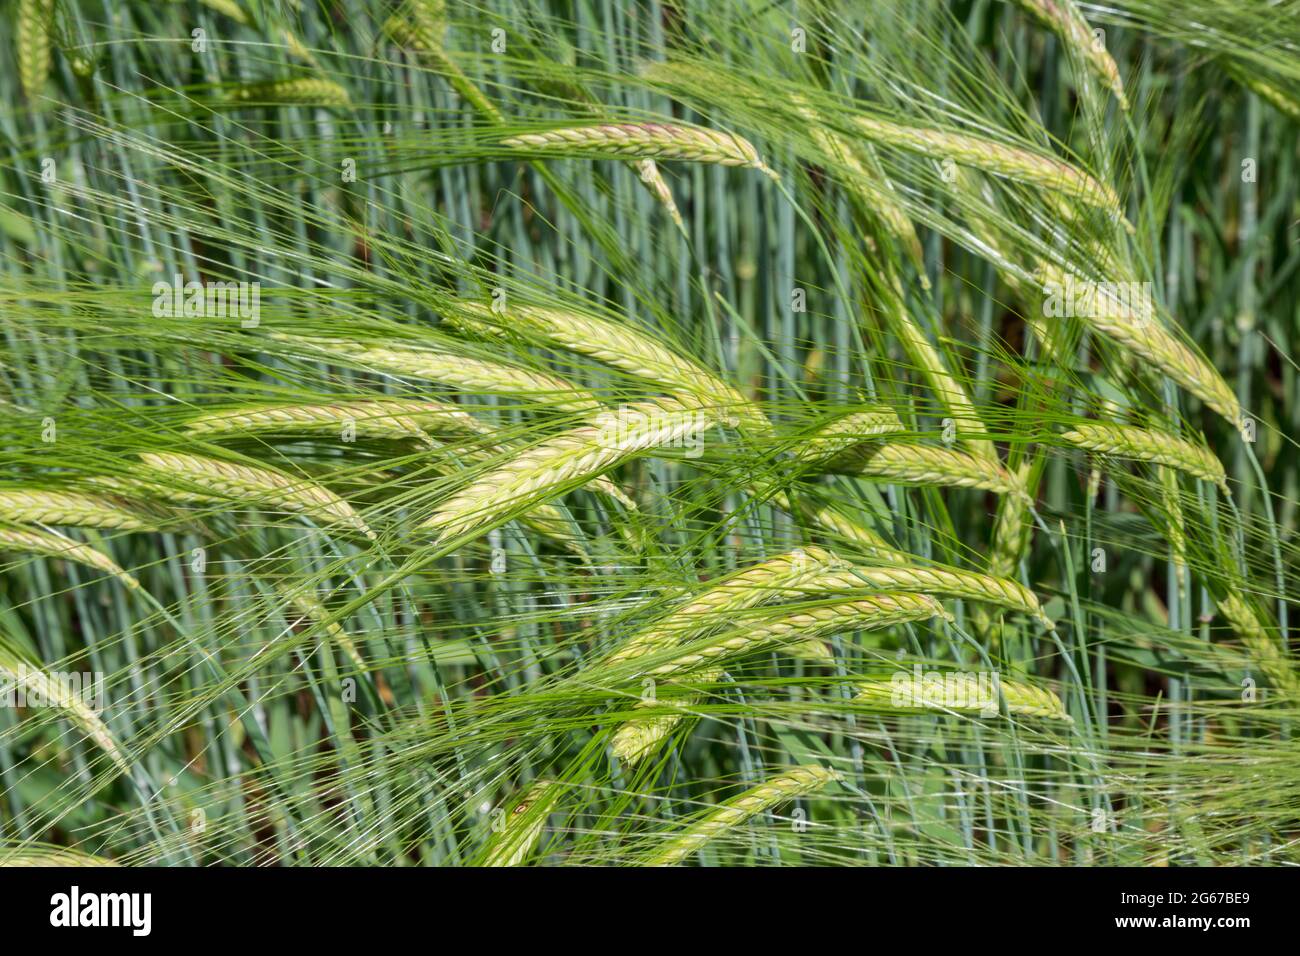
(558,464)
(620,346)
(309,91)
(32,38)
(727,816)
(924,465)
(1064,18)
(54,545)
(473,375)
(1149,445)
(1262,642)
(71,508)
(1012,162)
(960,694)
(522,825)
(260,485)
(644,141)
(18,676)
(27,854)
(715,607)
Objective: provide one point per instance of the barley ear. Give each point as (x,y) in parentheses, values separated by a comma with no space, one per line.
(727,816)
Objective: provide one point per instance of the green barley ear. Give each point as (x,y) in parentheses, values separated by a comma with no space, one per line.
(1063,18)
(617,344)
(70,508)
(20,676)
(1022,700)
(35,23)
(861,613)
(51,544)
(640,736)
(748,588)
(656,141)
(575,457)
(926,465)
(523,824)
(1047,172)
(1149,445)
(727,816)
(256,485)
(1262,642)
(307,91)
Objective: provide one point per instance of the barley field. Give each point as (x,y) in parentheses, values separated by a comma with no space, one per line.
(649,432)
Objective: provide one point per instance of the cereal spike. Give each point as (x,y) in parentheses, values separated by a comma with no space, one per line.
(1150,445)
(67,508)
(546,469)
(54,545)
(264,485)
(646,141)
(734,812)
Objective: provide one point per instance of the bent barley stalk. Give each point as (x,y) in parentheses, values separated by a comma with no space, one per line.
(863,613)
(261,484)
(376,419)
(993,157)
(645,141)
(924,465)
(523,825)
(1149,445)
(739,591)
(54,545)
(732,813)
(68,508)
(1262,643)
(555,465)
(1064,18)
(1022,700)
(17,675)
(458,371)
(618,345)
